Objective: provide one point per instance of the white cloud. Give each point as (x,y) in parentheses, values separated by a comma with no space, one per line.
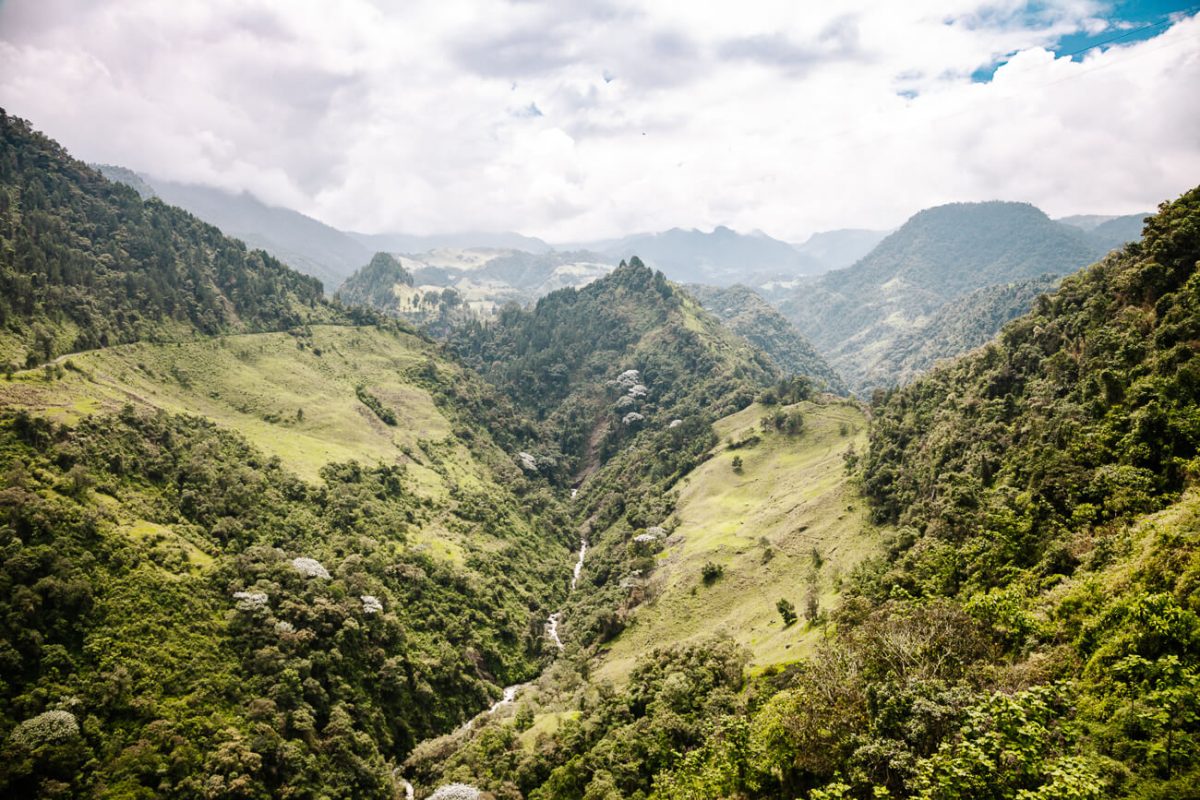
(418,116)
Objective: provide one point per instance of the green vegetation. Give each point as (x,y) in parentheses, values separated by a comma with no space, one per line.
(853,316)
(86,263)
(748,315)
(969,322)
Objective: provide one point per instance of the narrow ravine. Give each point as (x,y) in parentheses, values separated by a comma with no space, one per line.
(511,692)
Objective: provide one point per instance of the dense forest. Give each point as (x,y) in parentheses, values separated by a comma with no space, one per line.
(749,316)
(595,366)
(87,263)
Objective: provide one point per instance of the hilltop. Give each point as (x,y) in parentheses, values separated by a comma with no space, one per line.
(853,316)
(87,263)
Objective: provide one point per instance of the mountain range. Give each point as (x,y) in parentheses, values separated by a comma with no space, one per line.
(606,545)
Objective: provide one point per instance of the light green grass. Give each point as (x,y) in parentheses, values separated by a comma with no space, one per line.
(544,725)
(793,493)
(255,384)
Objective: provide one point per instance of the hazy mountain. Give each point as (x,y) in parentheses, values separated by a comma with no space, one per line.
(411,243)
(750,316)
(720,258)
(840,248)
(1085,222)
(854,315)
(1115,232)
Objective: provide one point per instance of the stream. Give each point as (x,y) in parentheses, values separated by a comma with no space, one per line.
(511,692)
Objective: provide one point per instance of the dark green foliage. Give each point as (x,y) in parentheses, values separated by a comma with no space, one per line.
(748,315)
(183,687)
(87,263)
(787,611)
(674,698)
(1082,412)
(560,360)
(369,400)
(711,572)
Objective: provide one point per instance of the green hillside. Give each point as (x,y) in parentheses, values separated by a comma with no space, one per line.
(625,354)
(786,523)
(748,315)
(854,316)
(956,328)
(1028,629)
(86,263)
(241,564)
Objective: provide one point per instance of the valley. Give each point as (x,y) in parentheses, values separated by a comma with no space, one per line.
(593,533)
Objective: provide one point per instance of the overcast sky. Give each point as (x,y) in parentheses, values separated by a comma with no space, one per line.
(582,120)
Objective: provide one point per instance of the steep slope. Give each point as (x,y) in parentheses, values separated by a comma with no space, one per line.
(955,328)
(626,353)
(852,316)
(86,263)
(299,241)
(1030,629)
(748,315)
(721,257)
(784,523)
(243,564)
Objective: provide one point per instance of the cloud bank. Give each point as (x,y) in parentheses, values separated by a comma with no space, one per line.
(599,118)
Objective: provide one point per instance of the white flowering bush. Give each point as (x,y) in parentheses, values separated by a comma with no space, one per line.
(675,423)
(630,377)
(625,401)
(632,418)
(310,567)
(638,390)
(283,626)
(657,531)
(371,604)
(250,601)
(456,791)
(50,727)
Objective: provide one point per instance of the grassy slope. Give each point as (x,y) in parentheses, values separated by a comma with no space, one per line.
(793,492)
(255,383)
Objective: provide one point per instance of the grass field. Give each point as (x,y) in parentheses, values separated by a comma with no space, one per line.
(789,518)
(293,397)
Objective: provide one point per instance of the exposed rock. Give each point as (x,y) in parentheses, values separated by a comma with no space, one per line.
(527,461)
(675,423)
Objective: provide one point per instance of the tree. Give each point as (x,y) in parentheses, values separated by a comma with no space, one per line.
(736,463)
(787,611)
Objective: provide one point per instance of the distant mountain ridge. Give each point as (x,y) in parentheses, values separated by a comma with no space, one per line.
(841,248)
(854,315)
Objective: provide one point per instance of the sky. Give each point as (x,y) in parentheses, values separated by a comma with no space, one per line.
(583,120)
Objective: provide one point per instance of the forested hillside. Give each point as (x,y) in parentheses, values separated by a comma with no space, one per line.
(251,565)
(956,328)
(853,316)
(749,316)
(87,263)
(627,353)
(1030,629)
